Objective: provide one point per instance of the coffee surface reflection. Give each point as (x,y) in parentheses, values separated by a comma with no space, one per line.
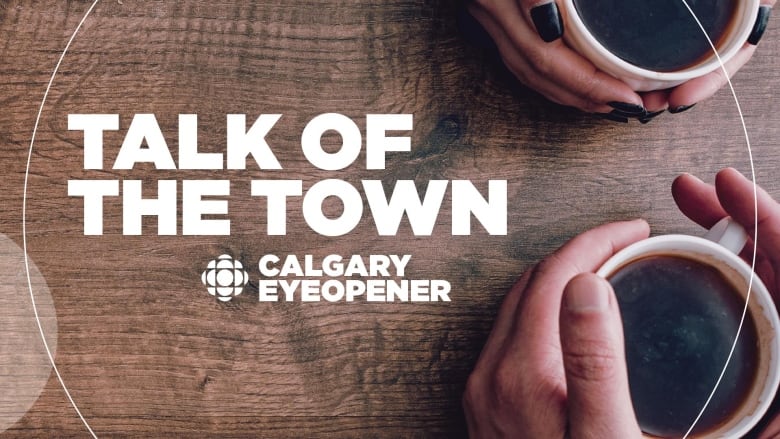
(680,317)
(658,35)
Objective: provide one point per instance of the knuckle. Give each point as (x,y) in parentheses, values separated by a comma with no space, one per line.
(539,58)
(591,360)
(515,384)
(518,71)
(506,385)
(543,388)
(488,5)
(555,99)
(593,83)
(716,80)
(549,265)
(590,106)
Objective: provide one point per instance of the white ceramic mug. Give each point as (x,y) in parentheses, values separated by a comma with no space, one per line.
(719,248)
(579,37)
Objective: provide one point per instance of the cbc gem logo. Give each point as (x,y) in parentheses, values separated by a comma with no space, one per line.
(225,278)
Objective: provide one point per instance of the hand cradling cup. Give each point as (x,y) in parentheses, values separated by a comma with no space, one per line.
(681,300)
(658,44)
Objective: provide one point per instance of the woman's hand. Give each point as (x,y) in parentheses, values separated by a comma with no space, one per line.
(528,36)
(685,96)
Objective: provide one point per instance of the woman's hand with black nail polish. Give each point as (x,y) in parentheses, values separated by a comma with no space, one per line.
(528,35)
(764,12)
(548,22)
(685,96)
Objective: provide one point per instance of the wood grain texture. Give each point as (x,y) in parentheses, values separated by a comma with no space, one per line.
(146,353)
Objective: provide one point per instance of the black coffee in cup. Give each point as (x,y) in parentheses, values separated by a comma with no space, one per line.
(658,35)
(680,317)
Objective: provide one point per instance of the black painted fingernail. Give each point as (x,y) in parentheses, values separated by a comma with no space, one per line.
(681,108)
(651,116)
(613,117)
(548,21)
(630,114)
(760,27)
(628,110)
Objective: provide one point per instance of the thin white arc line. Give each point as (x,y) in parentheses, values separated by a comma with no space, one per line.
(755,225)
(24,218)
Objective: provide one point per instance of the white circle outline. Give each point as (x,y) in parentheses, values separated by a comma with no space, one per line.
(755,219)
(24,218)
(35,130)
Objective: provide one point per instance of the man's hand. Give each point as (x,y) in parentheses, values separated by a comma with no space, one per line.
(732,195)
(554,364)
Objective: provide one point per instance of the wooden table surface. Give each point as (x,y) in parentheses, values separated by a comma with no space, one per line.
(146,352)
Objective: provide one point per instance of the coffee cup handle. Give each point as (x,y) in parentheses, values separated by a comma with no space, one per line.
(729,234)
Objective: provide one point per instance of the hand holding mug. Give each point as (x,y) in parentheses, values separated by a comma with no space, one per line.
(554,362)
(528,35)
(732,195)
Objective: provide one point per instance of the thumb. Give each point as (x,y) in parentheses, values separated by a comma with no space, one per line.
(599,401)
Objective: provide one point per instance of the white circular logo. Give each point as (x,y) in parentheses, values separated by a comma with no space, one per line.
(225,278)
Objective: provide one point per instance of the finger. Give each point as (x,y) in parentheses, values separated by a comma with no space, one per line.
(764,12)
(656,100)
(543,15)
(697,200)
(546,18)
(598,397)
(505,319)
(762,266)
(696,90)
(526,74)
(772,431)
(736,194)
(536,328)
(560,64)
(770,425)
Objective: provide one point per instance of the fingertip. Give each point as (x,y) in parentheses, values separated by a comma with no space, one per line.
(726,174)
(633,230)
(623,233)
(736,193)
(656,101)
(731,185)
(643,227)
(592,344)
(587,293)
(697,200)
(683,182)
(688,175)
(679,187)
(685,96)
(764,12)
(680,179)
(547,20)
(681,108)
